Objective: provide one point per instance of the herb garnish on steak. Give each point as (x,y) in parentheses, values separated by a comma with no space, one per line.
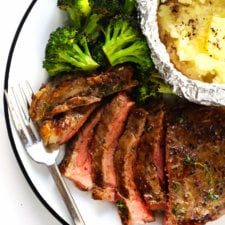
(71,91)
(104,144)
(134,210)
(149,165)
(195,160)
(77,164)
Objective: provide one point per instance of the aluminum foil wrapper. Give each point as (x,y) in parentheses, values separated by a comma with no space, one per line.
(193,90)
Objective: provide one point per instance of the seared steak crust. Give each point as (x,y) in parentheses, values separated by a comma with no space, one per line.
(131,207)
(77,163)
(195,156)
(104,143)
(149,165)
(71,91)
(63,126)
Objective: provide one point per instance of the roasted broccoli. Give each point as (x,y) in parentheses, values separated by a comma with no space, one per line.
(77,10)
(99,56)
(68,50)
(101,12)
(108,8)
(86,15)
(125,43)
(151,85)
(129,7)
(101,33)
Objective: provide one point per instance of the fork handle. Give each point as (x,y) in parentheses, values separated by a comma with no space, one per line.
(66,195)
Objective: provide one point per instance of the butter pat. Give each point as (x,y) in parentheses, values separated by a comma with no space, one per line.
(216,38)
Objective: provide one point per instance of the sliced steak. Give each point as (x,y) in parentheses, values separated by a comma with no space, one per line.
(195,159)
(104,143)
(77,164)
(149,165)
(71,91)
(131,207)
(63,126)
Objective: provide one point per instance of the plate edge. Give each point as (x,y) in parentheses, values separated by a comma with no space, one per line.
(7,120)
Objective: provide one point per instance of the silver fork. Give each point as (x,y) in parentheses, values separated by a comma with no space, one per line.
(18,104)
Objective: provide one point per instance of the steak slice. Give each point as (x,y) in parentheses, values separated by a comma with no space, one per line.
(149,165)
(104,143)
(77,163)
(62,127)
(131,207)
(70,91)
(195,159)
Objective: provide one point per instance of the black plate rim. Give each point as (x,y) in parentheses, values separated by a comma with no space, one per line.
(7,117)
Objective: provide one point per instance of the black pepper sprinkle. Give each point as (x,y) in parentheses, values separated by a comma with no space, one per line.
(175,9)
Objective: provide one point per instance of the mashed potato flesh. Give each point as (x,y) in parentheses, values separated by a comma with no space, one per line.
(193,32)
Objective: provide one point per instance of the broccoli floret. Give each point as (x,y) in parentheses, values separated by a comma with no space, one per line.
(92,28)
(124,43)
(151,85)
(87,15)
(129,7)
(101,12)
(157,79)
(68,50)
(108,8)
(77,10)
(99,56)
(111,8)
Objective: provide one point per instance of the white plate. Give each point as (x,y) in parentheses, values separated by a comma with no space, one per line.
(25,63)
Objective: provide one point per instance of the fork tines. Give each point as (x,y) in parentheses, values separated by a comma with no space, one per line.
(18,103)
